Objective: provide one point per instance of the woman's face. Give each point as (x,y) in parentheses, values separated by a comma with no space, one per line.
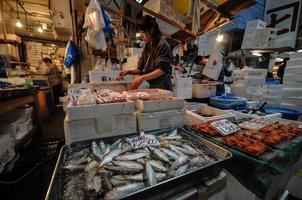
(146,36)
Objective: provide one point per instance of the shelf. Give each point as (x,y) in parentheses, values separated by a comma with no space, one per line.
(19,63)
(22,142)
(9,105)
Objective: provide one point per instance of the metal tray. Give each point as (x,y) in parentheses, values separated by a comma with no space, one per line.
(161,190)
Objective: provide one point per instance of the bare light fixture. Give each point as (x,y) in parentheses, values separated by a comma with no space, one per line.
(219,38)
(18,22)
(40,30)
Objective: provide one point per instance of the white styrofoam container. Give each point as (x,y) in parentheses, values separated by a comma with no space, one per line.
(204,90)
(297,55)
(292,106)
(272,90)
(277,100)
(250,81)
(294,62)
(255,24)
(183,83)
(159,105)
(192,118)
(183,93)
(7,151)
(239,90)
(106,126)
(98,76)
(193,106)
(292,92)
(293,100)
(99,110)
(156,120)
(240,115)
(243,73)
(294,69)
(292,84)
(292,78)
(154,92)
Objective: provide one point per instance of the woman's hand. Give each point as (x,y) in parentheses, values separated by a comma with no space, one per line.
(136,82)
(124,73)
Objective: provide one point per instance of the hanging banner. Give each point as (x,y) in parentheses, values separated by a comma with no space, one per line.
(285,16)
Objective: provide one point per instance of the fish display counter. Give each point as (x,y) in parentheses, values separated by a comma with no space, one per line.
(152,165)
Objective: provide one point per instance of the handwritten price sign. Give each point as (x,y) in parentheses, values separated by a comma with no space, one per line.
(225,127)
(142,141)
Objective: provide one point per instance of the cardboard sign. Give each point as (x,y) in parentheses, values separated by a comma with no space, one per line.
(142,141)
(75,93)
(225,127)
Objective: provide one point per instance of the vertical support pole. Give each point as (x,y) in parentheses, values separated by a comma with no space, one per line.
(77,66)
(3,19)
(12,25)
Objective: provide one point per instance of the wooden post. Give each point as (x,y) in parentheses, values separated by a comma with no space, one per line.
(3,20)
(11,16)
(77,67)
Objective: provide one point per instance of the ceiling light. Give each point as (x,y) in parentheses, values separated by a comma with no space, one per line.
(299,51)
(19,24)
(138,35)
(256,53)
(279,59)
(219,38)
(40,30)
(139,1)
(44,26)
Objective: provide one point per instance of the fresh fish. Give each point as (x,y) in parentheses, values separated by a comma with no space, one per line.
(185,151)
(123,170)
(126,148)
(104,172)
(176,137)
(92,165)
(121,191)
(189,148)
(178,143)
(102,147)
(181,170)
(197,161)
(170,153)
(161,176)
(173,133)
(108,158)
(181,159)
(150,174)
(81,161)
(131,156)
(129,164)
(158,166)
(116,144)
(141,161)
(144,150)
(81,153)
(137,177)
(95,149)
(106,182)
(97,183)
(116,182)
(107,150)
(159,154)
(74,167)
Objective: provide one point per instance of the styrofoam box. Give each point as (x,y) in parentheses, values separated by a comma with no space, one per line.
(292,106)
(99,110)
(183,83)
(194,117)
(106,126)
(297,55)
(204,90)
(154,92)
(293,69)
(292,77)
(241,74)
(159,105)
(193,105)
(97,76)
(239,90)
(293,100)
(272,90)
(273,99)
(100,86)
(292,92)
(156,120)
(7,151)
(250,81)
(16,129)
(255,24)
(294,62)
(183,93)
(292,84)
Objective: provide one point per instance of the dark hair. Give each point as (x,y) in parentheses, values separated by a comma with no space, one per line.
(148,24)
(198,59)
(47,60)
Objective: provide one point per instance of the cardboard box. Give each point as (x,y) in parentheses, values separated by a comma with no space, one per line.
(7,151)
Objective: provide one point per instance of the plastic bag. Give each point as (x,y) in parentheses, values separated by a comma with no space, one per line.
(214,65)
(71,54)
(94,22)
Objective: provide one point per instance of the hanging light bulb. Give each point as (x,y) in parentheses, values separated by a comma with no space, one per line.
(40,30)
(18,23)
(219,38)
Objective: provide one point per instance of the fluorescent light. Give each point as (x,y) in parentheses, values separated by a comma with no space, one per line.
(44,26)
(139,1)
(299,51)
(255,53)
(19,24)
(219,38)
(40,30)
(279,59)
(138,35)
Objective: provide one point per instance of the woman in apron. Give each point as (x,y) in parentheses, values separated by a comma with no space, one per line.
(155,64)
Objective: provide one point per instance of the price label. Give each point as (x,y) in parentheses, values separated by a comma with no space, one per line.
(75,93)
(225,127)
(251,125)
(265,121)
(142,141)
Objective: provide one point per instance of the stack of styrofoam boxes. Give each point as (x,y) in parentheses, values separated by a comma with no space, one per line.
(257,36)
(98,76)
(272,94)
(292,82)
(17,123)
(183,88)
(155,114)
(7,151)
(247,82)
(97,121)
(197,116)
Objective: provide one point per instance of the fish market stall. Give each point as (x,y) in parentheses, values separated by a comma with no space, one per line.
(151,165)
(266,153)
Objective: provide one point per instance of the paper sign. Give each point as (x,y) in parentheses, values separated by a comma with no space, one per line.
(251,125)
(142,141)
(225,127)
(214,65)
(75,93)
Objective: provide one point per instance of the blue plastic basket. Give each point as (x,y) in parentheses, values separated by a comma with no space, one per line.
(228,102)
(286,112)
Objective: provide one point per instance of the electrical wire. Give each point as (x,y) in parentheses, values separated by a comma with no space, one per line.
(27,173)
